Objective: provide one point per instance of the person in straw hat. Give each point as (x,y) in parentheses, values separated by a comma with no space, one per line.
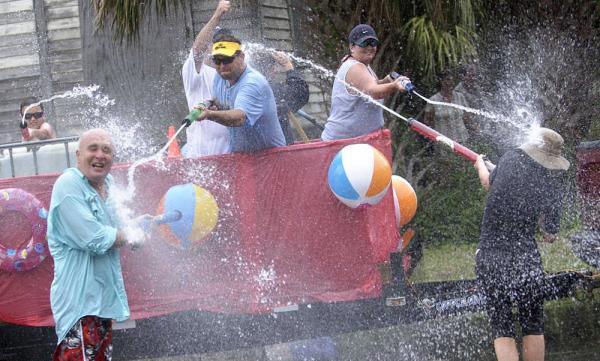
(525,193)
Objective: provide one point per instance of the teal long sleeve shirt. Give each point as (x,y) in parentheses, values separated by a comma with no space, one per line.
(82,228)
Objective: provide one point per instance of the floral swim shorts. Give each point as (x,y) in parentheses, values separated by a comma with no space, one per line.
(90,339)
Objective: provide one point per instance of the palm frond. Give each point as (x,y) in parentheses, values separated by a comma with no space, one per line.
(124,17)
(435,49)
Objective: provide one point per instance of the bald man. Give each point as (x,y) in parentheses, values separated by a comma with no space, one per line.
(87,292)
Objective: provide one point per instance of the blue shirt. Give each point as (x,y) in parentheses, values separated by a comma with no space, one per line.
(252,95)
(82,229)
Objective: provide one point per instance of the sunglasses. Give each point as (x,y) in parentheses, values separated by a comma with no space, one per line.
(369,42)
(223,60)
(37,115)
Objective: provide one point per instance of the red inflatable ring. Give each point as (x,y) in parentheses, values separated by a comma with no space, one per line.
(36,250)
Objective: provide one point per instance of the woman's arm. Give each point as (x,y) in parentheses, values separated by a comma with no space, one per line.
(359,77)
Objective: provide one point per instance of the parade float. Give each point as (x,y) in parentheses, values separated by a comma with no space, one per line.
(286,243)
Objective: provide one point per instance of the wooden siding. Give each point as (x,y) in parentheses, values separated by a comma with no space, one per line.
(19,63)
(49,46)
(40,55)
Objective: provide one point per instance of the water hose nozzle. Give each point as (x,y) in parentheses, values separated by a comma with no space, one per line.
(405,83)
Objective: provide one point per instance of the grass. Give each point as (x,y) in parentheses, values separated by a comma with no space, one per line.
(447,262)
(572,324)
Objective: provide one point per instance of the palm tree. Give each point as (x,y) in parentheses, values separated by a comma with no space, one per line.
(125,16)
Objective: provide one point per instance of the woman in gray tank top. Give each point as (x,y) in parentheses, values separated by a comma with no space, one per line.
(352,114)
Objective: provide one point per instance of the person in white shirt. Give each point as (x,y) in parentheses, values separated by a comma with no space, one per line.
(206,137)
(449,121)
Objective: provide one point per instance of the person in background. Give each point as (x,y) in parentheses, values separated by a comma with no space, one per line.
(198,73)
(526,190)
(288,84)
(351,114)
(449,121)
(84,238)
(244,101)
(35,126)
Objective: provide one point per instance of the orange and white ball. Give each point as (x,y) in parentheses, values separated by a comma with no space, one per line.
(405,200)
(359,175)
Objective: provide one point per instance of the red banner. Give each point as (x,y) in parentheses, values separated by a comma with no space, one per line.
(282,238)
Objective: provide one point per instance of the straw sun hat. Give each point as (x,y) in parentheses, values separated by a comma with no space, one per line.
(544,146)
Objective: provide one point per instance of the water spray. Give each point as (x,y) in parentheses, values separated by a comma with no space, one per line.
(73,93)
(423,129)
(413,124)
(155,157)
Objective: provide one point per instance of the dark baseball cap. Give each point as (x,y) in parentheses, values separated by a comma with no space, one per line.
(360,33)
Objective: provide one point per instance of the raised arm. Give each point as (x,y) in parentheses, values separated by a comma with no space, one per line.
(204,38)
(482,172)
(296,88)
(45,132)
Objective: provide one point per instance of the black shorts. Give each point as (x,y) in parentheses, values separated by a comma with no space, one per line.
(508,281)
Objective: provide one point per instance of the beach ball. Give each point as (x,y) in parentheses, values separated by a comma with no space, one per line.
(359,175)
(405,200)
(199,215)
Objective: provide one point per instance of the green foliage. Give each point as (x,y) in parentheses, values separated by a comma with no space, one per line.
(437,49)
(572,323)
(452,209)
(125,16)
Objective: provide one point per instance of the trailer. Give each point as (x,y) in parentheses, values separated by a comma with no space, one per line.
(285,261)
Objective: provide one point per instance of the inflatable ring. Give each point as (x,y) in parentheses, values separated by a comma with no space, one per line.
(36,250)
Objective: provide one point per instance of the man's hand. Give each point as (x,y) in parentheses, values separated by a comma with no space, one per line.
(223,7)
(138,231)
(205,110)
(120,240)
(482,172)
(213,104)
(283,60)
(548,237)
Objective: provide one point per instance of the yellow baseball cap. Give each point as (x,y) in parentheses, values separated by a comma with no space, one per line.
(225,48)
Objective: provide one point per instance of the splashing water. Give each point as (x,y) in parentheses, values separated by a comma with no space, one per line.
(460,107)
(254,47)
(77,91)
(123,196)
(156,157)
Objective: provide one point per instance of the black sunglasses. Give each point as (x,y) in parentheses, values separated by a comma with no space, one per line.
(223,60)
(369,42)
(37,115)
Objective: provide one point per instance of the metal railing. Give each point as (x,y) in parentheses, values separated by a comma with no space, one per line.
(34,148)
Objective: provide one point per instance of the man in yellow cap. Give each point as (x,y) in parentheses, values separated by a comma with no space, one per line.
(244,101)
(525,193)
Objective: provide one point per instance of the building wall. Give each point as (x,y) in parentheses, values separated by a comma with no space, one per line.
(40,55)
(49,46)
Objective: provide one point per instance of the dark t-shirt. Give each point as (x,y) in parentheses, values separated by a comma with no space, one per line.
(289,97)
(521,190)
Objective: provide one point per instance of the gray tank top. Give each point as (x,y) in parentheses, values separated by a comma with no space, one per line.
(351,115)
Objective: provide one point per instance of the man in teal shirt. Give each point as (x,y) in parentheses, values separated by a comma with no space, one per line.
(87,292)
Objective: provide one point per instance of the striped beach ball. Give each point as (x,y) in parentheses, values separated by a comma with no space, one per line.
(199,215)
(405,200)
(359,175)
